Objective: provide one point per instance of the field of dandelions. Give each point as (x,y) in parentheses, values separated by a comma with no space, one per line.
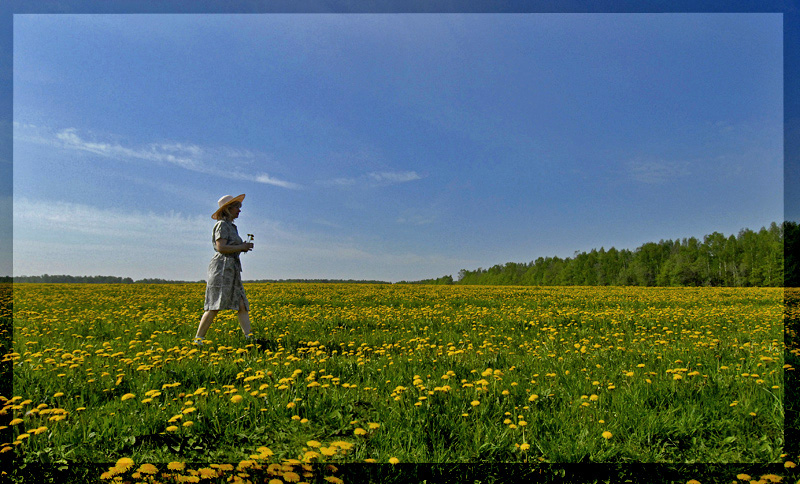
(392,374)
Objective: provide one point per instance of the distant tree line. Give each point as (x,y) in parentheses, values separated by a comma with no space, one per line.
(320,281)
(749,259)
(47,278)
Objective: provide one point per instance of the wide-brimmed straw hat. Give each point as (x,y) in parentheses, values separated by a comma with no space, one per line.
(224,202)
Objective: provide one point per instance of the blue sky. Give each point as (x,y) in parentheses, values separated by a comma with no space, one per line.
(387,146)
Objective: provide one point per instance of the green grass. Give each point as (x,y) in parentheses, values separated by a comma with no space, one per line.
(359,343)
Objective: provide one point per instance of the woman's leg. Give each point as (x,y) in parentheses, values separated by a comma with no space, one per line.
(205,323)
(244,318)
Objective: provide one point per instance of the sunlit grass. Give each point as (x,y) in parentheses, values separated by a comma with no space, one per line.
(378,373)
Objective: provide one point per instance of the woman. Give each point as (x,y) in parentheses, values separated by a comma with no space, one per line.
(224,289)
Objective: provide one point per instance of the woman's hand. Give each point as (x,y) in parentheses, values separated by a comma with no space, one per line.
(224,248)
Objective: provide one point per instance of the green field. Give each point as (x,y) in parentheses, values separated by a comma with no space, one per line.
(394,373)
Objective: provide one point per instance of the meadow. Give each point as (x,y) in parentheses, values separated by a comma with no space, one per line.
(343,374)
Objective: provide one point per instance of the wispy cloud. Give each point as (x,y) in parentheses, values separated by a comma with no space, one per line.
(57,237)
(374,179)
(184,155)
(656,171)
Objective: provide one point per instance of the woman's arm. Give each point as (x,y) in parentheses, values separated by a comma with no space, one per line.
(224,248)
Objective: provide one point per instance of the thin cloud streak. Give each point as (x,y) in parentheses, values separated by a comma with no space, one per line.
(374,179)
(186,156)
(656,172)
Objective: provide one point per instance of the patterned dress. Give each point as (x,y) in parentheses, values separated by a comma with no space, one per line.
(224,289)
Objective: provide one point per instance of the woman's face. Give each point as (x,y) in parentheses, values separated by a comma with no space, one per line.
(234,210)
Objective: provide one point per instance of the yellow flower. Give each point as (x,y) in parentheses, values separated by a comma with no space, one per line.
(16,421)
(176,466)
(59,394)
(188,410)
(533,397)
(359,431)
(693,481)
(148,469)
(524,447)
(124,463)
(172,428)
(291,477)
(394,460)
(207,473)
(275,481)
(373,425)
(313,443)
(475,403)
(607,435)
(333,480)
(771,478)
(188,424)
(789,464)
(236,398)
(127,396)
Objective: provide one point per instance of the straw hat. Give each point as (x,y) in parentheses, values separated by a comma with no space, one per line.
(224,202)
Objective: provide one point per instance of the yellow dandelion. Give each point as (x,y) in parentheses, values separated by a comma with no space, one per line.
(370,461)
(207,473)
(188,424)
(359,431)
(22,437)
(127,396)
(693,481)
(148,469)
(771,478)
(475,403)
(291,477)
(16,421)
(172,428)
(373,425)
(59,394)
(789,464)
(313,443)
(524,447)
(236,398)
(533,398)
(607,435)
(188,410)
(124,463)
(275,481)
(394,460)
(333,480)
(176,466)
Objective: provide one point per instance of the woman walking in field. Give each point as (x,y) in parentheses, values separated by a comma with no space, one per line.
(224,289)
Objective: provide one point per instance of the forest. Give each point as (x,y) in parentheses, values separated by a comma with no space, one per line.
(767,258)
(750,259)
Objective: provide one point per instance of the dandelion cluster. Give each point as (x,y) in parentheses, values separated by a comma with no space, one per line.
(394,373)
